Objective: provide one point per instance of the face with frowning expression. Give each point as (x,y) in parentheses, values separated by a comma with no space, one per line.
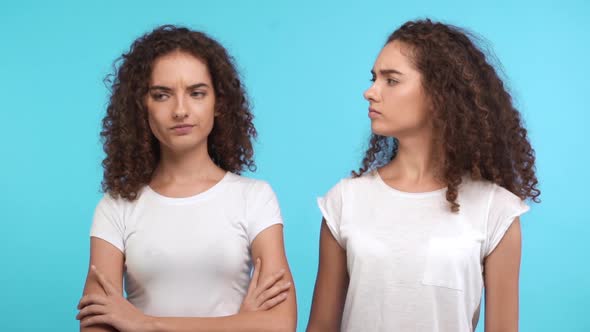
(180,101)
(397,102)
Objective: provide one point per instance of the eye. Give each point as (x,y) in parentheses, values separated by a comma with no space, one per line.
(159,96)
(198,94)
(391,81)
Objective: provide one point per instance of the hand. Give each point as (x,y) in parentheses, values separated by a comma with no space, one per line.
(265,295)
(111,309)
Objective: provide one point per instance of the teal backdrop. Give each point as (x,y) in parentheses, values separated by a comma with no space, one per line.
(305,65)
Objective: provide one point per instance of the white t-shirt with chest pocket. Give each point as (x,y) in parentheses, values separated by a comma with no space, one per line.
(413,264)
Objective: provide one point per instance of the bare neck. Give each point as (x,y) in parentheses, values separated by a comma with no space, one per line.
(416,166)
(183,168)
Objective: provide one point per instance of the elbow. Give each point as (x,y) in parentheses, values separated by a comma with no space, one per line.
(287,325)
(284,324)
(278,319)
(285,328)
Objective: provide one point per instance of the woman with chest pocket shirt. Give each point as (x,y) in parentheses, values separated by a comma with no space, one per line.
(431,220)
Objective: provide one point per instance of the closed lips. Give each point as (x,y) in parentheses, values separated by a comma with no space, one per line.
(182,126)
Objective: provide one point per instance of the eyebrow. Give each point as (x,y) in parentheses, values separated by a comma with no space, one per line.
(167,89)
(387,72)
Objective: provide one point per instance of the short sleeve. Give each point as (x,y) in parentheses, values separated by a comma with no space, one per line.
(108,223)
(504,207)
(331,207)
(262,209)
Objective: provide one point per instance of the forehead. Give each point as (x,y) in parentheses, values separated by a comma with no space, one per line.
(179,66)
(394,55)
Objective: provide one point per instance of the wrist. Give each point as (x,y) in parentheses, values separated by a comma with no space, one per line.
(152,324)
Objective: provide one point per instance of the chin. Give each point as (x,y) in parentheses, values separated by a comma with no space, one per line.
(381,130)
(177,146)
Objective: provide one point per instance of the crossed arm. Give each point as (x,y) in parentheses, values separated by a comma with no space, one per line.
(107,310)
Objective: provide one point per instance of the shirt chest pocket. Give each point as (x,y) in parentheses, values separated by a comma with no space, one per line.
(450,262)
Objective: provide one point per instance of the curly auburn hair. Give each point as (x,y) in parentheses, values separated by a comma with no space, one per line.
(132,151)
(479,129)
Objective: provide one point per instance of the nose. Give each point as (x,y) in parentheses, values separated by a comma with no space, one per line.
(180,112)
(371,94)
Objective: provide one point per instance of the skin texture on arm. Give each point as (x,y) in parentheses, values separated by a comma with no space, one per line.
(331,285)
(501,273)
(110,261)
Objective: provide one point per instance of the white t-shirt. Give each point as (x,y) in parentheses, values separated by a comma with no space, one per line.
(188,256)
(413,264)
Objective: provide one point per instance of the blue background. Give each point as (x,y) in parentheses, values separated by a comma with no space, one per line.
(305,64)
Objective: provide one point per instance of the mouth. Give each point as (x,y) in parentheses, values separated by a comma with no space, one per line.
(182,129)
(182,126)
(372,110)
(373,113)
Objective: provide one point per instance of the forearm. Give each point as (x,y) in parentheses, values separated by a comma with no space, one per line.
(265,321)
(322,327)
(94,288)
(98,328)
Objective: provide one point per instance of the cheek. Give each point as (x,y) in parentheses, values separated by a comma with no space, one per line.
(417,115)
(155,124)
(420,109)
(407,106)
(206,114)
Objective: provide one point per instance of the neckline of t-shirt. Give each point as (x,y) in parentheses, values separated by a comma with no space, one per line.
(398,192)
(189,199)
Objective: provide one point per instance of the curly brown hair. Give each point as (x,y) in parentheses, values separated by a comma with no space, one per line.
(480,131)
(132,151)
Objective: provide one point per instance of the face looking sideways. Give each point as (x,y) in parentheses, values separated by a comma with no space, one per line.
(180,101)
(397,102)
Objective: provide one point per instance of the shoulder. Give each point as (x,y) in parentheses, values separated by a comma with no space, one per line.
(360,186)
(112,202)
(117,205)
(246,185)
(348,190)
(476,191)
(488,193)
(357,183)
(471,186)
(484,187)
